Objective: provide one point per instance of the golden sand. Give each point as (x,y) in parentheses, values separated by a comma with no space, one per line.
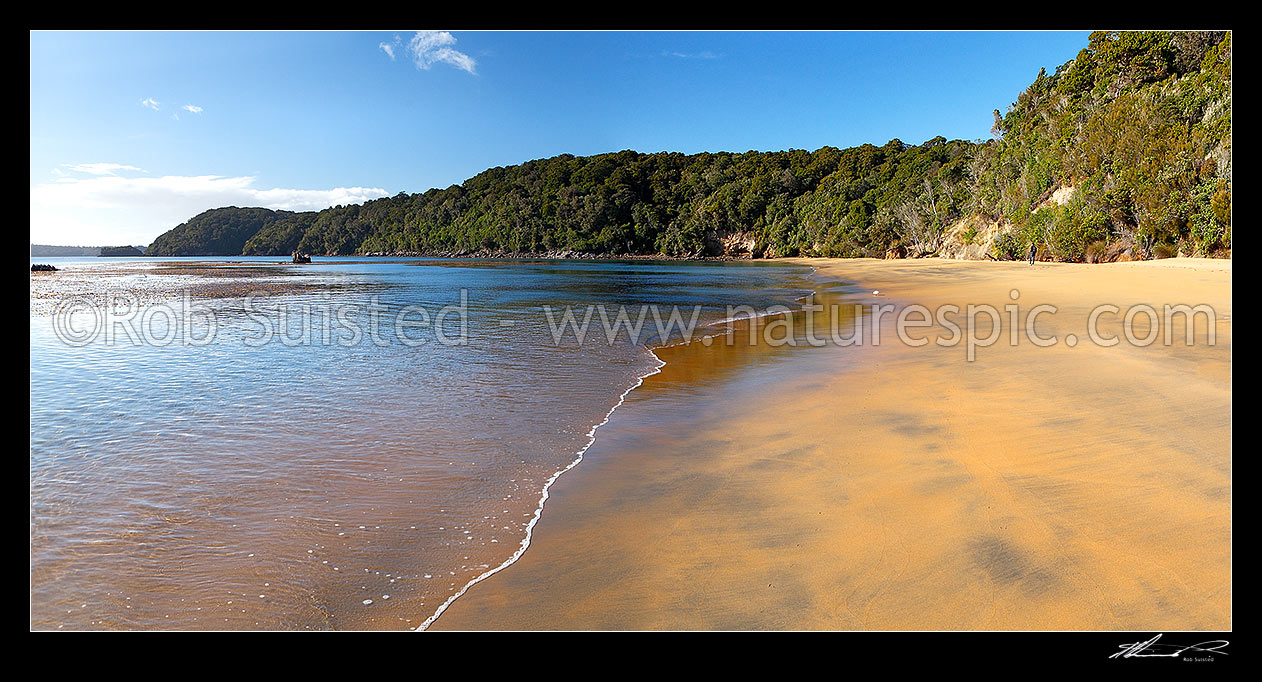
(898,488)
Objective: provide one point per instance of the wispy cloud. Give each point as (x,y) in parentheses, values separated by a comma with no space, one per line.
(427,48)
(704,54)
(106,206)
(97,168)
(433,47)
(151,103)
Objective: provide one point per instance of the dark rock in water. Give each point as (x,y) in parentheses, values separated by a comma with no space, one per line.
(301,257)
(43,267)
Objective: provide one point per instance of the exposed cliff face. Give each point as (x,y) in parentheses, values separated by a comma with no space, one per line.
(1060,196)
(737,245)
(972,238)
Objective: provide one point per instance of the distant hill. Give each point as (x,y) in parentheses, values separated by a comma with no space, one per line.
(38,250)
(225,232)
(1123,152)
(116,251)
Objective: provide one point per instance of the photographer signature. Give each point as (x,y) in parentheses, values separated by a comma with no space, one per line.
(1152,649)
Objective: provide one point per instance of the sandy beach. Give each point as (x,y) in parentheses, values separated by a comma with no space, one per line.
(891,487)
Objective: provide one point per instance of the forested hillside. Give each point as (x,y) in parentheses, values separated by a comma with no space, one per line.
(1139,126)
(222,232)
(1122,153)
(119,251)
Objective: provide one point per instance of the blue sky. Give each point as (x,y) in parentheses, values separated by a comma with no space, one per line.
(132,133)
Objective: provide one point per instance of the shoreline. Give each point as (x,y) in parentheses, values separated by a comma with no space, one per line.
(632,258)
(208,273)
(543,499)
(721,327)
(941,513)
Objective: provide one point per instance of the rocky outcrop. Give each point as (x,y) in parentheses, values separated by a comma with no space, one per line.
(1063,194)
(972,238)
(737,245)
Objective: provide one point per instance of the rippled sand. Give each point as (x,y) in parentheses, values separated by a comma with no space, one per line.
(903,488)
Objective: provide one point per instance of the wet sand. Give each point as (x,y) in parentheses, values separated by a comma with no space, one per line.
(892,487)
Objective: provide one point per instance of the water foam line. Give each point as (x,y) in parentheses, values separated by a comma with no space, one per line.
(530,528)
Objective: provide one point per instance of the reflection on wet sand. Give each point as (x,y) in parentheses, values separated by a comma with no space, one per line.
(715,354)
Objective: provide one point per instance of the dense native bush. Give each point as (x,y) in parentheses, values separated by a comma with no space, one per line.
(1139,124)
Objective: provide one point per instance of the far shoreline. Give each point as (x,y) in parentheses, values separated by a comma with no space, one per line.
(578,256)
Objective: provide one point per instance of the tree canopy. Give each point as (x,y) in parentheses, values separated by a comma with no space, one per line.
(1138,125)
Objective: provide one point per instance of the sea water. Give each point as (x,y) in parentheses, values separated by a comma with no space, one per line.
(309,479)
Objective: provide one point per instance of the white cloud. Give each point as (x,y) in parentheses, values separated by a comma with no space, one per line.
(97,168)
(432,47)
(107,208)
(151,103)
(192,108)
(388,49)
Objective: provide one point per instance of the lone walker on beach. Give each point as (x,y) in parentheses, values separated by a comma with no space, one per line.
(1031,254)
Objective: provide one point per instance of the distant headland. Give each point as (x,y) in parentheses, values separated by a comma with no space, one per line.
(49,250)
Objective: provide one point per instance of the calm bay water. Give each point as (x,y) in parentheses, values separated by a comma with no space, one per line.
(320,485)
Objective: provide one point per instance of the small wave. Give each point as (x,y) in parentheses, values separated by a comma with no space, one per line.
(543,498)
(591,439)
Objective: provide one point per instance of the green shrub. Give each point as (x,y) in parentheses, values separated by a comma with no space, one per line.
(1008,246)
